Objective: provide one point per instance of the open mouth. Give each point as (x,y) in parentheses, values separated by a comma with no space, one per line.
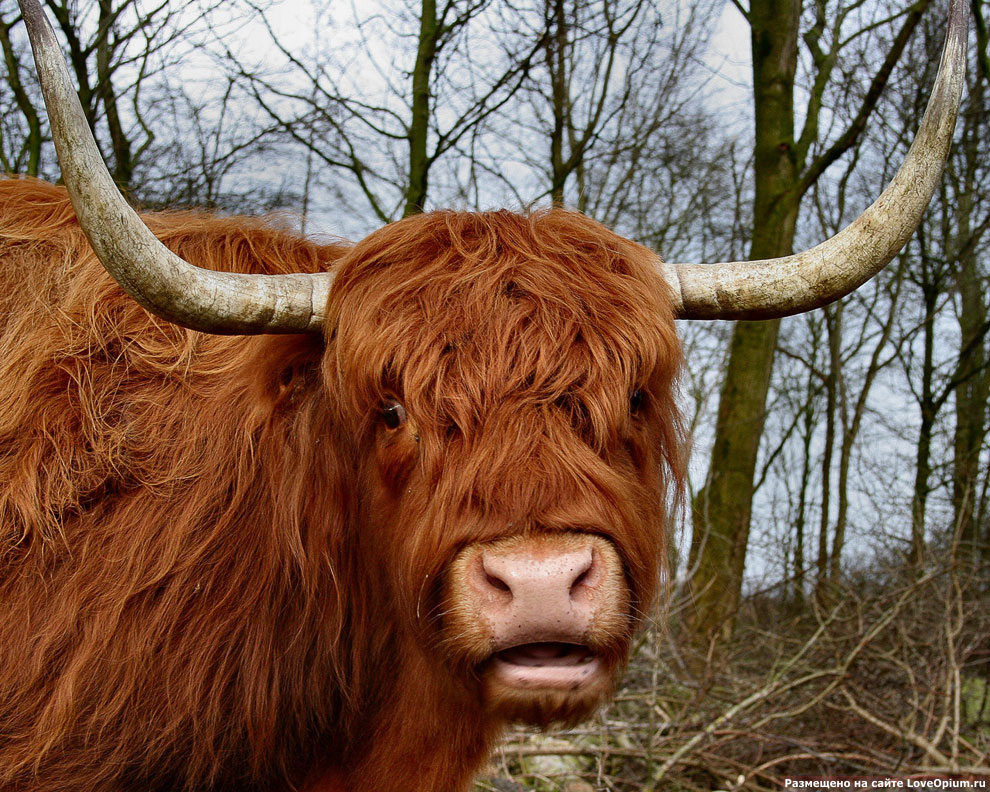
(549,665)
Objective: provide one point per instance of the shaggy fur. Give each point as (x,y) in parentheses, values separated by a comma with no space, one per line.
(220,570)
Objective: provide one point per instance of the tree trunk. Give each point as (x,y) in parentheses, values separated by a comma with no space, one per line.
(419,124)
(723,508)
(28,160)
(556,55)
(833,325)
(800,522)
(123,159)
(974,389)
(929,410)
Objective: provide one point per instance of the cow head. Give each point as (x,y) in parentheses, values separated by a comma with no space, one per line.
(508,380)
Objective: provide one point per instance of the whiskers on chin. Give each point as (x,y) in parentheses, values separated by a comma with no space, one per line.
(547,708)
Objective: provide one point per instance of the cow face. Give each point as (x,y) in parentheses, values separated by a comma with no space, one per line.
(508,385)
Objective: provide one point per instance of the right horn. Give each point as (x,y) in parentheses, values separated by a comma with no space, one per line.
(771,288)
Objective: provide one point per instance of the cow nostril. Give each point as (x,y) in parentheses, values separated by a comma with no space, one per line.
(497,583)
(585,573)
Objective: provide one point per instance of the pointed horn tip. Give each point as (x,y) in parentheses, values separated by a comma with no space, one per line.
(37,24)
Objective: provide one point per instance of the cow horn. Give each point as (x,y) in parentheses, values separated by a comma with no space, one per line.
(772,288)
(165,284)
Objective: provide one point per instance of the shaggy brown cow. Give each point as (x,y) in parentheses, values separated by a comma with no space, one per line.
(340,559)
(231,560)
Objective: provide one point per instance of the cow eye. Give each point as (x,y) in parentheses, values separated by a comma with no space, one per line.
(393,414)
(636,399)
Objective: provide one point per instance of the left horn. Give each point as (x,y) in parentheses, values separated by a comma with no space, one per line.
(165,284)
(772,288)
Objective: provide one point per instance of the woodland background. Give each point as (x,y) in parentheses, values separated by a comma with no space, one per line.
(828,597)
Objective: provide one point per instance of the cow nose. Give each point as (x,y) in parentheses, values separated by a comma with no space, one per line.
(544,591)
(552,581)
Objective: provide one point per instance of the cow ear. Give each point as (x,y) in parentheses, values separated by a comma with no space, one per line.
(288,367)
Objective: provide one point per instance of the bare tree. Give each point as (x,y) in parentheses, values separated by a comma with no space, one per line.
(115,50)
(611,116)
(387,107)
(786,166)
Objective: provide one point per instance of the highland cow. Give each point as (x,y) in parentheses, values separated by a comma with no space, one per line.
(234,563)
(329,516)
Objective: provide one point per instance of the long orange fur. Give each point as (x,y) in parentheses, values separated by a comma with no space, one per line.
(220,571)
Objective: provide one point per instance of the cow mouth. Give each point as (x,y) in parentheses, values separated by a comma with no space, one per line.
(547,666)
